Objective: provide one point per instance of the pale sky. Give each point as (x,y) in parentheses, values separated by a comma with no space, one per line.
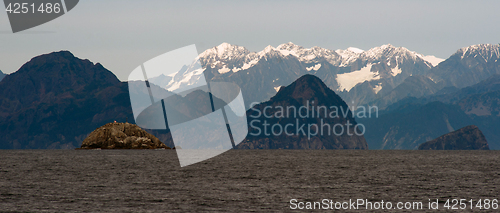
(122,34)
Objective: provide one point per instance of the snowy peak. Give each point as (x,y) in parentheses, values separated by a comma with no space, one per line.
(480,48)
(289,47)
(311,55)
(224,51)
(389,52)
(269,50)
(385,51)
(348,55)
(226,57)
(302,54)
(387,46)
(355,50)
(486,51)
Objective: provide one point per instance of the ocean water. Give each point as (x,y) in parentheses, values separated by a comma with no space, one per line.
(240,180)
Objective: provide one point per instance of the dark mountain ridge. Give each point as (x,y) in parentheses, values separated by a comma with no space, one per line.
(478,104)
(452,95)
(414,86)
(308,93)
(55,100)
(412,124)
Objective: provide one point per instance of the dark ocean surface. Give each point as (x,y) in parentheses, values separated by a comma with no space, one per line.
(240,180)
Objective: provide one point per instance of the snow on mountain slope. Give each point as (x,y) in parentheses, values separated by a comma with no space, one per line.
(433,59)
(388,62)
(188,77)
(315,67)
(377,88)
(348,80)
(396,70)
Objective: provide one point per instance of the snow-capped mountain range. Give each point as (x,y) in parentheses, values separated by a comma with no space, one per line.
(358,76)
(238,58)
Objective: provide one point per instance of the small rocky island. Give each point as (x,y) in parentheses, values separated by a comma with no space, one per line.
(467,138)
(121,136)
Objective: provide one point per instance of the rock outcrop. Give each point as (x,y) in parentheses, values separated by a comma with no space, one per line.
(121,136)
(467,138)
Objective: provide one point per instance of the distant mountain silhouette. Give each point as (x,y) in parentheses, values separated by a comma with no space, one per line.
(414,86)
(412,124)
(55,100)
(411,121)
(309,91)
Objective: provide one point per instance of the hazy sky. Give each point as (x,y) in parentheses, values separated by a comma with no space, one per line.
(122,34)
